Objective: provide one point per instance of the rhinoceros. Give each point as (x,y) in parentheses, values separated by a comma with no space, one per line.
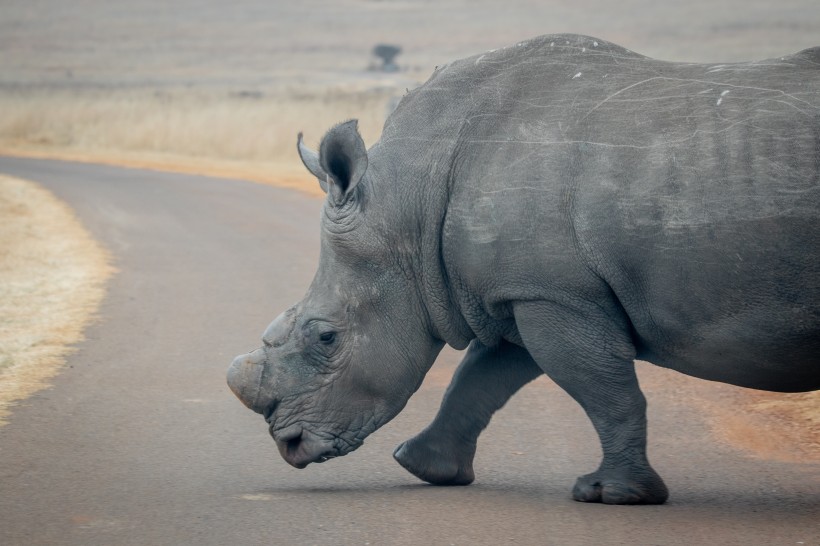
(563,206)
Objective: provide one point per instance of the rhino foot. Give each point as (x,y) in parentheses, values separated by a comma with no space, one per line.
(434,463)
(619,486)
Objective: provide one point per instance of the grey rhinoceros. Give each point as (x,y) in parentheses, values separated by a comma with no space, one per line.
(563,206)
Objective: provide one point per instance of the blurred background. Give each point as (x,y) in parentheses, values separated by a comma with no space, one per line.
(224,87)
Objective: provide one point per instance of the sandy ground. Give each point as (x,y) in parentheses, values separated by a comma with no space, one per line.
(52,277)
(773,426)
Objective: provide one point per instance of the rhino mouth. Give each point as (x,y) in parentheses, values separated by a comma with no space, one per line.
(300,447)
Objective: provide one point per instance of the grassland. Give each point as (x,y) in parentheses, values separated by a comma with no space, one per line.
(249,135)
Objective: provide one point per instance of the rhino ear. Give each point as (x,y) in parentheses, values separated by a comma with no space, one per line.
(311,161)
(343,156)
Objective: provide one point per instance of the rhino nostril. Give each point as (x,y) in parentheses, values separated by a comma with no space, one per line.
(289,441)
(293,443)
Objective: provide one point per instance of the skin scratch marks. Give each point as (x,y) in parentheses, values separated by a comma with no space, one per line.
(615,94)
(777,92)
(509,142)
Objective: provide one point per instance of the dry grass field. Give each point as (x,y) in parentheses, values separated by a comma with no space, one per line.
(207,131)
(52,277)
(223,88)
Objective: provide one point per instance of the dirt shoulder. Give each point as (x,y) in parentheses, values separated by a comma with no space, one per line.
(769,425)
(52,280)
(784,427)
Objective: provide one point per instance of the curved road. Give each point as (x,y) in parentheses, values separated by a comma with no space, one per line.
(140,441)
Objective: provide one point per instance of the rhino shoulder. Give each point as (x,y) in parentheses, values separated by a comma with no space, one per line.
(548,48)
(810,56)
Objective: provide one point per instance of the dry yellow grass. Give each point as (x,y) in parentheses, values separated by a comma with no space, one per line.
(52,277)
(250,136)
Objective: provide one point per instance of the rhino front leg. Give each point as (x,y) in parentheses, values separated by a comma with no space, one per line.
(487,377)
(589,353)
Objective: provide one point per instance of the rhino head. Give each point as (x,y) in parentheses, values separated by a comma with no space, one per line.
(343,361)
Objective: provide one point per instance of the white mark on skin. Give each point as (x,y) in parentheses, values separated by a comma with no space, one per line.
(723,94)
(594,44)
(552,44)
(583,50)
(479,59)
(578,75)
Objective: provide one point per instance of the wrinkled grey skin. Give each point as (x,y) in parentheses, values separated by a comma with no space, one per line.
(563,206)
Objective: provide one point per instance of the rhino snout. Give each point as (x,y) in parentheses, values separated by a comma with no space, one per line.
(245,379)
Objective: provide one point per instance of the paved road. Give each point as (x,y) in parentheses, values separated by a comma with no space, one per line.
(141,442)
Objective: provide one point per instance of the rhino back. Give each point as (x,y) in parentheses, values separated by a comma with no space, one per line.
(682,196)
(707,229)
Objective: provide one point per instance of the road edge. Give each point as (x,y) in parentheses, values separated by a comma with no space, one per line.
(53,277)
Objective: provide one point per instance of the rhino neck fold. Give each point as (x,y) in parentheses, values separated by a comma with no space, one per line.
(422,200)
(419,151)
(445,317)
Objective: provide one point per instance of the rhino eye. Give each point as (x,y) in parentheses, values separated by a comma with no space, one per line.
(327,338)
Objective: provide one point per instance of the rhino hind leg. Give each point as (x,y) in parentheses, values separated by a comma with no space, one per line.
(615,486)
(442,454)
(589,353)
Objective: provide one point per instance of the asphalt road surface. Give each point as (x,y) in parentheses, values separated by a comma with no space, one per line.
(140,441)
